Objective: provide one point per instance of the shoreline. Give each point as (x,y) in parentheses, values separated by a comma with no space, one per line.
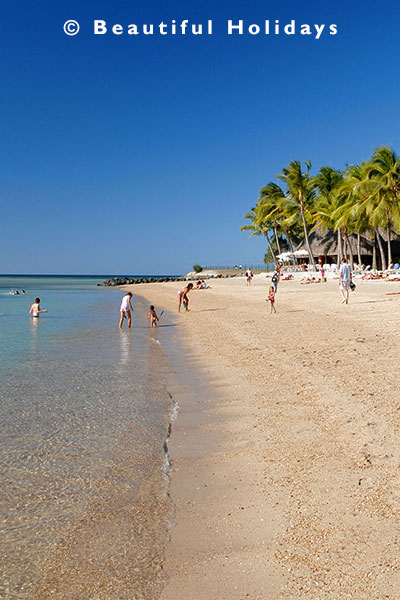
(199,472)
(305,478)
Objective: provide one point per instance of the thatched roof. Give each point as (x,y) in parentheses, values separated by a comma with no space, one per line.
(324,243)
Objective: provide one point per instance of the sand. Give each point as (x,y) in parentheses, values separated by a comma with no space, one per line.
(286,457)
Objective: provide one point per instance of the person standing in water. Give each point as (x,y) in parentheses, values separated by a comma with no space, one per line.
(35,309)
(125,310)
(153,316)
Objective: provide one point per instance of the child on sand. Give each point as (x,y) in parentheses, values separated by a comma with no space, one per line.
(125,310)
(271,298)
(183,297)
(35,309)
(152,315)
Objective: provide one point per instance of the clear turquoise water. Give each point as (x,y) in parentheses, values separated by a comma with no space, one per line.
(84,416)
(71,303)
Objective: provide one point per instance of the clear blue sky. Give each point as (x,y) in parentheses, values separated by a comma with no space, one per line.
(135,154)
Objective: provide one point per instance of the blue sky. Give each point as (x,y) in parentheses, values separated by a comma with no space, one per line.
(138,154)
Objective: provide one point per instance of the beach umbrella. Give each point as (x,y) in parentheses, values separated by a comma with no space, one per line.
(300,253)
(285,256)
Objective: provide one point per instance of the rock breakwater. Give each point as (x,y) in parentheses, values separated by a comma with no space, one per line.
(132,280)
(114,281)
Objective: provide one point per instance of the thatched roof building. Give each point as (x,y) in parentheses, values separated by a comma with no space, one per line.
(324,244)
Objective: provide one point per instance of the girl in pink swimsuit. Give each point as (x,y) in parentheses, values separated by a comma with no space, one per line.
(271,298)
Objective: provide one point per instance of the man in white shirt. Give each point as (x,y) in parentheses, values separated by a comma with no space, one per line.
(345,277)
(249,276)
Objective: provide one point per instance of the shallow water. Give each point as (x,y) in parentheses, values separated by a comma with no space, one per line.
(84,416)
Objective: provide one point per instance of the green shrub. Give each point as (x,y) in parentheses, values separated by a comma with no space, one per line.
(197,268)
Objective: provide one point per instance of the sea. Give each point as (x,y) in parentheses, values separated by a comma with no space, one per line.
(85,419)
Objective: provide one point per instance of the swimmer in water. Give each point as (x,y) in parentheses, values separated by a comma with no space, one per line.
(35,309)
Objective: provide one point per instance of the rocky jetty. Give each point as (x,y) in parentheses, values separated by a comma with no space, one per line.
(189,277)
(133,280)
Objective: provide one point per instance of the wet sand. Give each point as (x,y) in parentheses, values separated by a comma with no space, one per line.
(285,473)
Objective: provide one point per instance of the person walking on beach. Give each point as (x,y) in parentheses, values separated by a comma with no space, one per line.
(35,309)
(249,276)
(275,277)
(345,278)
(183,297)
(152,315)
(271,298)
(125,310)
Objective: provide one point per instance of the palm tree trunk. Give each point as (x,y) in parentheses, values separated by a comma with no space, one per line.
(289,241)
(349,249)
(339,247)
(344,246)
(277,239)
(307,241)
(270,246)
(359,249)
(381,249)
(374,261)
(389,241)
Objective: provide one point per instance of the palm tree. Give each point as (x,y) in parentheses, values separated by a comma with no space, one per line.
(363,200)
(281,211)
(291,223)
(269,199)
(300,190)
(327,184)
(349,215)
(356,206)
(384,169)
(259,225)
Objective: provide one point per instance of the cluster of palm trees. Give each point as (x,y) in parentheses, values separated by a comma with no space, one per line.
(363,200)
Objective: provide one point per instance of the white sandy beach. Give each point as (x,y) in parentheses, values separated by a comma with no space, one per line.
(286,479)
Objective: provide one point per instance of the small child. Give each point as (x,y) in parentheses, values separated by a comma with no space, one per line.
(35,309)
(152,315)
(271,298)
